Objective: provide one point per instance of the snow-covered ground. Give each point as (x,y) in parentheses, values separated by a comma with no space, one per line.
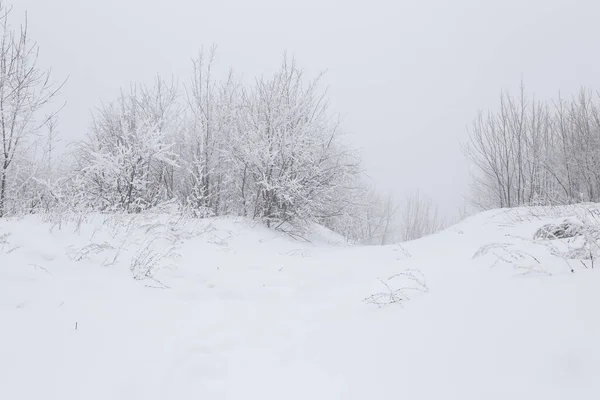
(235,311)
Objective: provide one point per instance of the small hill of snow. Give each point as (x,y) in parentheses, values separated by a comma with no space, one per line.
(160,307)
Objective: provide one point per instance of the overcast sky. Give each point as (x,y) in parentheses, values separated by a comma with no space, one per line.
(407,77)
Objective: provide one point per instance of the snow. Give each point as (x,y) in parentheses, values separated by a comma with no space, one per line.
(237,311)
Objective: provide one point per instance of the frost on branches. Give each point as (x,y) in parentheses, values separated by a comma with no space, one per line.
(291,165)
(128,161)
(25,90)
(532,152)
(270,151)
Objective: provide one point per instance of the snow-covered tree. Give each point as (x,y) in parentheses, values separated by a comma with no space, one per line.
(25,89)
(291,165)
(213,109)
(532,152)
(128,160)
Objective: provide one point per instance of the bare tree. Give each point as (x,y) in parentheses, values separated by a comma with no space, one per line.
(25,89)
(213,105)
(378,222)
(532,152)
(420,217)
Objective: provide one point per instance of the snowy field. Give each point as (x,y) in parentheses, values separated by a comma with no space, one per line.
(223,309)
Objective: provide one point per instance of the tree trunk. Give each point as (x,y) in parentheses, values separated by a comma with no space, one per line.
(3,193)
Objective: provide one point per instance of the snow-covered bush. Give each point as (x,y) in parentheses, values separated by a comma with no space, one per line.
(568,243)
(127,162)
(564,230)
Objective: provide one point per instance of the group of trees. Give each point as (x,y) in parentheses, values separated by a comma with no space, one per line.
(387,220)
(537,152)
(269,150)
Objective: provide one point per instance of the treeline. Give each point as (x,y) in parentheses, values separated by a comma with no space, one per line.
(537,152)
(269,151)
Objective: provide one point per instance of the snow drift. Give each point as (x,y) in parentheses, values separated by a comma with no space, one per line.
(159,307)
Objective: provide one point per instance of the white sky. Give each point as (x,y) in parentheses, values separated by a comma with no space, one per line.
(407,77)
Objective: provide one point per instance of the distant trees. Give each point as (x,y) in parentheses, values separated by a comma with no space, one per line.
(385,220)
(531,152)
(378,218)
(24,90)
(420,217)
